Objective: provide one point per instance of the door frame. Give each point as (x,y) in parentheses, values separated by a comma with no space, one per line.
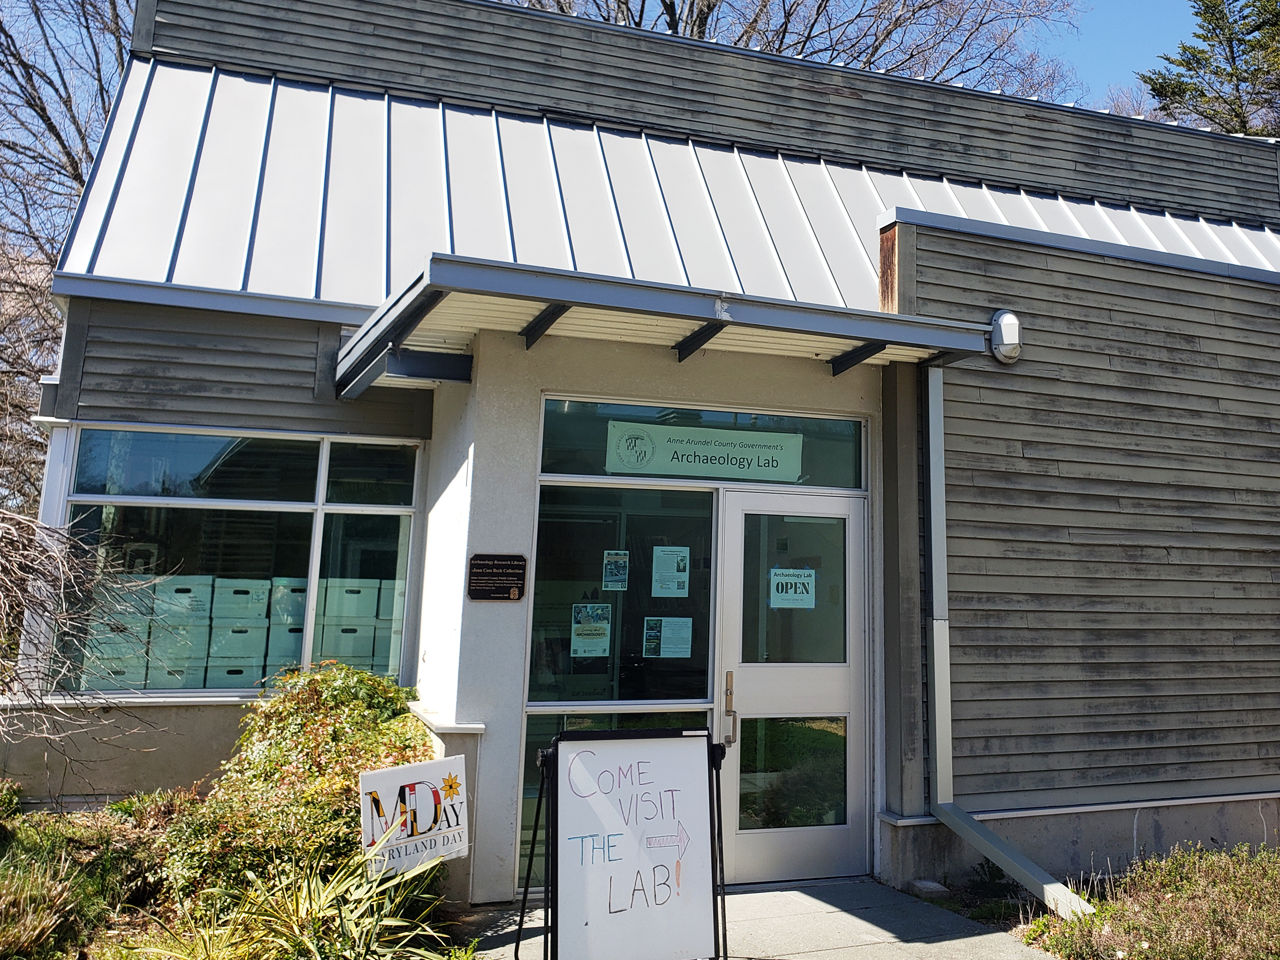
(859,655)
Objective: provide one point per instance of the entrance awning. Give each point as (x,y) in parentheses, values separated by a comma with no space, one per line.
(422,336)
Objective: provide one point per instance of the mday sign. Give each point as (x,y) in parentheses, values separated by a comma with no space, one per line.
(656,449)
(419,808)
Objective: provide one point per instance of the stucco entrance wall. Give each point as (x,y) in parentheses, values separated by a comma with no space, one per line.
(483,498)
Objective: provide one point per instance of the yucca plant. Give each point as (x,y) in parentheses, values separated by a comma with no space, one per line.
(312,909)
(39,907)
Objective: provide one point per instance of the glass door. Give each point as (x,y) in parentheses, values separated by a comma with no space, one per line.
(791,703)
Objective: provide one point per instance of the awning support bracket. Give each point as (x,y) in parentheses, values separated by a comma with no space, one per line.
(851,358)
(695,341)
(540,324)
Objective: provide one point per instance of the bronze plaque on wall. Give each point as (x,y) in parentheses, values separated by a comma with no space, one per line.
(496,576)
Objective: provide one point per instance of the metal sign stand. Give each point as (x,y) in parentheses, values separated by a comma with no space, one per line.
(547,787)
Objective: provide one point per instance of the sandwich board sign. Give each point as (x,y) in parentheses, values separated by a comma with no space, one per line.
(420,810)
(632,845)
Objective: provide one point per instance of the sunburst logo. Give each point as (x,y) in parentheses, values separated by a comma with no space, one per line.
(450,787)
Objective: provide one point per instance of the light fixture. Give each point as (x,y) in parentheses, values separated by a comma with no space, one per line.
(1006,336)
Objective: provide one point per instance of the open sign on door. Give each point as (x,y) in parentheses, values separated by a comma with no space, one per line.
(792,589)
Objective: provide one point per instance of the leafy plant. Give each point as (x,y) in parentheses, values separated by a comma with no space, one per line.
(312,908)
(293,786)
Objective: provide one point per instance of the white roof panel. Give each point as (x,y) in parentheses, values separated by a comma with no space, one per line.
(646,227)
(793,235)
(698,236)
(477,193)
(842,250)
(861,204)
(894,189)
(533,194)
(144,219)
(419,198)
(355,227)
(286,242)
(1053,214)
(1238,243)
(1014,207)
(588,202)
(935,196)
(977,203)
(328,194)
(79,253)
(1093,220)
(215,237)
(750,245)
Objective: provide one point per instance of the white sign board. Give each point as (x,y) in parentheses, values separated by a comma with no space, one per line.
(422,805)
(633,839)
(792,589)
(656,449)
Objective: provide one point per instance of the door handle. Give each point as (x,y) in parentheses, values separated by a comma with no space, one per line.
(729,713)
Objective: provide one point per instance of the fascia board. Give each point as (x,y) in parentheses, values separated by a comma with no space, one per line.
(1061,241)
(448,273)
(201,298)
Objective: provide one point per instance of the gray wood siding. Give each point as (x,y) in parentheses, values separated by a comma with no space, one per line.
(1113,522)
(500,55)
(151,364)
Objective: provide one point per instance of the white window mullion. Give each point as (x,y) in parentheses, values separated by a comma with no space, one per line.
(312,616)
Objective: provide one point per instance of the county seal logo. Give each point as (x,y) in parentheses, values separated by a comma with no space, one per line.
(635,448)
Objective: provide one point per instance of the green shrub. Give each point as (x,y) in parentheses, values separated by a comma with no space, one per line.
(1193,904)
(292,788)
(10,803)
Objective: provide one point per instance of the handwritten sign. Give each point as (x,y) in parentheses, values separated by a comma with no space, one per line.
(632,837)
(496,576)
(423,805)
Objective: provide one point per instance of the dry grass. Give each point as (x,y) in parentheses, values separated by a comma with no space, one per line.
(1193,904)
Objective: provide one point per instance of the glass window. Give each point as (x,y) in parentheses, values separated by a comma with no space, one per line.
(221,588)
(792,772)
(540,730)
(364,563)
(602,439)
(217,595)
(793,585)
(138,463)
(621,595)
(375,473)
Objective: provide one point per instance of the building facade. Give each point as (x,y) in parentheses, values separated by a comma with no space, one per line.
(916,440)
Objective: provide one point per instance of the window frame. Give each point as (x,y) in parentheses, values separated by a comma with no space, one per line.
(319,507)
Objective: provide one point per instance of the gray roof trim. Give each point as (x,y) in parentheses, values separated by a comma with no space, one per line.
(493,278)
(144,26)
(200,298)
(1060,241)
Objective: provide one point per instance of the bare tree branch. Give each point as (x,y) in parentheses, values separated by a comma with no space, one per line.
(984,43)
(60,63)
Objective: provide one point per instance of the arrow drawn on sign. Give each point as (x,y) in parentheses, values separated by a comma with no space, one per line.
(678,839)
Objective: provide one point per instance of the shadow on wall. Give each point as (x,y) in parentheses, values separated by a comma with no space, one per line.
(1070,845)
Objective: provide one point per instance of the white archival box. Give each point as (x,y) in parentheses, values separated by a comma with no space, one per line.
(633,830)
(424,804)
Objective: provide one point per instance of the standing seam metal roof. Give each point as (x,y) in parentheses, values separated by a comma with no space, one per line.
(234,182)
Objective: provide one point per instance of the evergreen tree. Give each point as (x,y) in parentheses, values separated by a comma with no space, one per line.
(1230,78)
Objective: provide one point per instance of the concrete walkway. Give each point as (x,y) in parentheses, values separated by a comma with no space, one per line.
(827,920)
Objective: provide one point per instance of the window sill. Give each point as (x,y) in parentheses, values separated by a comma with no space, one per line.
(128,698)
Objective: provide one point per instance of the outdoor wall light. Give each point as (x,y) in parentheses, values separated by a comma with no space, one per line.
(1006,336)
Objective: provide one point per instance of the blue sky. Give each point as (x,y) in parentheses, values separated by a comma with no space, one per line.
(1117,38)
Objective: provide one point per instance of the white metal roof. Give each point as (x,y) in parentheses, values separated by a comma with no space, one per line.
(220,181)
